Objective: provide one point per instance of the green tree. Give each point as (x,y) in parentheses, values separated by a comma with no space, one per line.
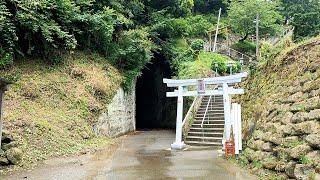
(7,36)
(243,13)
(304,16)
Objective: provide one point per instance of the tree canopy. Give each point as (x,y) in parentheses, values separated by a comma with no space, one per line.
(242,15)
(304,16)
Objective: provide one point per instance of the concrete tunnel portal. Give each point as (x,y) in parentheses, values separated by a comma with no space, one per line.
(153,109)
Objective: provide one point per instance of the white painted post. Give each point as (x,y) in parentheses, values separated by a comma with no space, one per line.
(179,144)
(239,127)
(226,103)
(235,126)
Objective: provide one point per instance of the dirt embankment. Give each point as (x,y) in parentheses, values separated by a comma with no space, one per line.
(50,110)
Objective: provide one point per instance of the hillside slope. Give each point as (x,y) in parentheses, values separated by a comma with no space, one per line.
(51,110)
(281,110)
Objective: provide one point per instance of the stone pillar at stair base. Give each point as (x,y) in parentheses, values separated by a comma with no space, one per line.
(179,144)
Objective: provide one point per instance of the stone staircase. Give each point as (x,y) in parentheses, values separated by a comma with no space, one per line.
(211,133)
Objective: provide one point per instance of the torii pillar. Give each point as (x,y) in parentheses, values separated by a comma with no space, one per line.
(179,144)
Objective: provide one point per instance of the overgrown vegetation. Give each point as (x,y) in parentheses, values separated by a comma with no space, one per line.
(205,65)
(51,111)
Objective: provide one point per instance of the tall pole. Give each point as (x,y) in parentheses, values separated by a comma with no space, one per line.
(216,36)
(210,42)
(257,37)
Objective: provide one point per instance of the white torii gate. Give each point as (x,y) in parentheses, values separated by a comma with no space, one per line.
(226,91)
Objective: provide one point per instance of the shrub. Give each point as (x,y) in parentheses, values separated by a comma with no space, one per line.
(197,45)
(132,53)
(245,47)
(6,58)
(269,52)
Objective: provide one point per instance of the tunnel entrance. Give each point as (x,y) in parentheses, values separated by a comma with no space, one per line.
(154,109)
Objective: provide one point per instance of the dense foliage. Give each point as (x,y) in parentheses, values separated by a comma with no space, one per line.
(129,32)
(304,16)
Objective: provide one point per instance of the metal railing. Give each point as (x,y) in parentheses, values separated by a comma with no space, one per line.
(205,113)
(232,53)
(189,113)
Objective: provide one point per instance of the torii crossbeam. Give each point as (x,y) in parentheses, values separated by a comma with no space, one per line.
(182,91)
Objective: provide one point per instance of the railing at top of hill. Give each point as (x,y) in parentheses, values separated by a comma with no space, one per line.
(288,31)
(232,53)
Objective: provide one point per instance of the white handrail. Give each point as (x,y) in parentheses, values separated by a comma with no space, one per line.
(206,112)
(189,111)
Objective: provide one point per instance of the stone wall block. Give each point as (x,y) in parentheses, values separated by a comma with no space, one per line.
(289,130)
(296,107)
(308,127)
(303,171)
(312,103)
(299,117)
(289,169)
(314,114)
(286,118)
(267,147)
(314,140)
(314,93)
(299,151)
(311,85)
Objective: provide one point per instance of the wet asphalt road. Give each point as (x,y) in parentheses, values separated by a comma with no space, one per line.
(143,155)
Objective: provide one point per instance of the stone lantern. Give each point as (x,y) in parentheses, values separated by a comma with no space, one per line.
(3,88)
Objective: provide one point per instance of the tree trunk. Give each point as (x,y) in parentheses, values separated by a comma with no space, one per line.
(244,38)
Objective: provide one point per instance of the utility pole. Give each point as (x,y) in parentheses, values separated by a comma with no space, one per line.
(257,37)
(216,36)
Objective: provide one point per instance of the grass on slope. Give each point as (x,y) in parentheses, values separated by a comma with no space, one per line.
(50,110)
(202,66)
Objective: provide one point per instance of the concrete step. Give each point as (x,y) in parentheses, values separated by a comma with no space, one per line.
(207,134)
(211,103)
(197,129)
(211,110)
(209,116)
(196,143)
(211,107)
(208,125)
(217,121)
(213,100)
(204,139)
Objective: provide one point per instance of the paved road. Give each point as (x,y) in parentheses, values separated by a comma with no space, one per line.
(143,155)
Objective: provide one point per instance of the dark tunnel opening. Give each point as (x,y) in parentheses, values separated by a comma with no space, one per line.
(154,109)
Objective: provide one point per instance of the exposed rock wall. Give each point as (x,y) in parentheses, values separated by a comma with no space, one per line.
(120,115)
(282,114)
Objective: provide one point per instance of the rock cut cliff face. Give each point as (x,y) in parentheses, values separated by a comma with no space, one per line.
(281,110)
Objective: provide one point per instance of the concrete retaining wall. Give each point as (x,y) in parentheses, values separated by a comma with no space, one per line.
(120,116)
